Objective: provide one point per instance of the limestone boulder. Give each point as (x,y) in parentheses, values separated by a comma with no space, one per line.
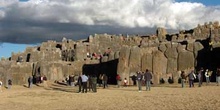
(190,47)
(147,62)
(197,47)
(159,62)
(80,52)
(172,55)
(135,59)
(111,56)
(185,60)
(123,60)
(162,47)
(117,53)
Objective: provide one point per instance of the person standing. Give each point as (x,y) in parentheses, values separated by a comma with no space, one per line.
(9,83)
(207,76)
(104,80)
(90,82)
(84,82)
(118,78)
(183,78)
(79,83)
(94,83)
(191,78)
(133,78)
(139,81)
(200,77)
(30,81)
(148,77)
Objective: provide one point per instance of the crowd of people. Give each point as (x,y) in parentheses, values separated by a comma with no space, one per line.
(90,82)
(193,75)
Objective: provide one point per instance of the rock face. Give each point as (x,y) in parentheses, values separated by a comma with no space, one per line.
(185,60)
(163,54)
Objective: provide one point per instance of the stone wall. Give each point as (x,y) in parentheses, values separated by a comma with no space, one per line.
(163,54)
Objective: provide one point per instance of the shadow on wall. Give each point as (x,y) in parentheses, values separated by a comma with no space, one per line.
(109,68)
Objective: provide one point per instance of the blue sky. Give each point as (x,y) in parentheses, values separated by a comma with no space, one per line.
(29,22)
(205,2)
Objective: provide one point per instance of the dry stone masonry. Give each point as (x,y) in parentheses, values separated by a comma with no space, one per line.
(164,54)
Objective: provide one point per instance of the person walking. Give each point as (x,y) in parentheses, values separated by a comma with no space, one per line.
(148,77)
(30,82)
(183,78)
(84,82)
(139,81)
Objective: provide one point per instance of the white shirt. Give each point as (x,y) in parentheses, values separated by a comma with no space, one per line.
(84,78)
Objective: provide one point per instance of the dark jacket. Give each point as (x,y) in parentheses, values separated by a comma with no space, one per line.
(147,76)
(139,76)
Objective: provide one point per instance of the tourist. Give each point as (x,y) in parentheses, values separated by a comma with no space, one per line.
(133,78)
(207,76)
(72,80)
(191,78)
(9,83)
(125,82)
(84,82)
(104,80)
(148,77)
(1,86)
(94,83)
(79,83)
(218,76)
(90,82)
(100,80)
(183,78)
(170,80)
(45,81)
(200,76)
(30,82)
(118,79)
(139,81)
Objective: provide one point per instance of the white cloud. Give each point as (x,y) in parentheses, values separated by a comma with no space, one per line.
(132,13)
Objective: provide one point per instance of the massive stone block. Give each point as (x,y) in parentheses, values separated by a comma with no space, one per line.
(159,63)
(185,60)
(197,47)
(123,63)
(147,62)
(172,55)
(80,52)
(135,59)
